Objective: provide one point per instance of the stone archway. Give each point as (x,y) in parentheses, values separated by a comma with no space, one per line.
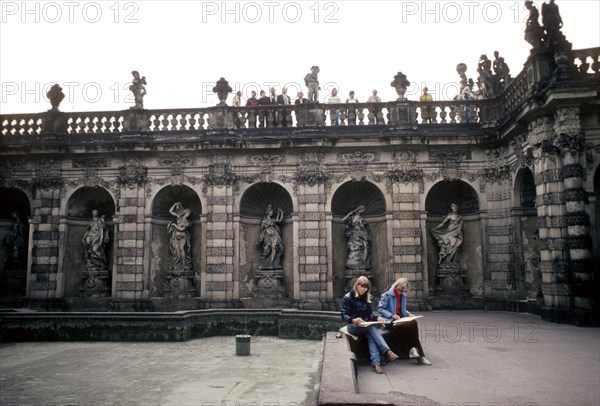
(266,270)
(14,236)
(346,199)
(80,278)
(526,237)
(459,277)
(175,252)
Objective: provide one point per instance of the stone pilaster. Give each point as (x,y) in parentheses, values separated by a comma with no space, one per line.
(571,141)
(551,217)
(314,272)
(130,236)
(45,279)
(500,248)
(218,282)
(407,241)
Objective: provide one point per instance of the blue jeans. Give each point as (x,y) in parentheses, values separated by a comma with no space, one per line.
(376,342)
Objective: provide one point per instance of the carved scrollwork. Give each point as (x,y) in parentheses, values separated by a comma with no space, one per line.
(566,121)
(311,172)
(571,143)
(408,176)
(133,174)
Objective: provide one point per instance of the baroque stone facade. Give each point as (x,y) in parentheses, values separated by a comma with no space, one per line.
(525,187)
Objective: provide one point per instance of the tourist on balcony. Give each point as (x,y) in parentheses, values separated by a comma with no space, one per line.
(335,114)
(374,98)
(264,100)
(252,101)
(426,110)
(351,113)
(356,309)
(375,116)
(404,336)
(237,99)
(283,100)
(300,98)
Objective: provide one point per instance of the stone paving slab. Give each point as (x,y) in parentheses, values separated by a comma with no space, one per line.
(485,358)
(197,372)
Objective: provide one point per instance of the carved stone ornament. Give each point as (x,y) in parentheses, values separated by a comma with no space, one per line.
(133,174)
(540,130)
(566,121)
(48,175)
(571,143)
(400,83)
(310,172)
(265,164)
(222,89)
(55,95)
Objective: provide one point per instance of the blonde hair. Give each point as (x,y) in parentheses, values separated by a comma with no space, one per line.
(363,280)
(401,284)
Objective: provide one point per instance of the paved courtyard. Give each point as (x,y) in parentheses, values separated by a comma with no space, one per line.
(479,359)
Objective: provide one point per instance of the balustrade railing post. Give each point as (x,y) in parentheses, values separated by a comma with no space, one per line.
(135,120)
(402,113)
(54,122)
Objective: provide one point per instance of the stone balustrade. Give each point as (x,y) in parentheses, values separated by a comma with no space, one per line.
(587,61)
(485,113)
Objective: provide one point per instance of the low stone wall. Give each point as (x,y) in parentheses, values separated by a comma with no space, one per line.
(176,326)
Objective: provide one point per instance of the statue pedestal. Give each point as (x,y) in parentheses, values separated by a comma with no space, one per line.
(451,280)
(94,282)
(180,283)
(268,283)
(13,282)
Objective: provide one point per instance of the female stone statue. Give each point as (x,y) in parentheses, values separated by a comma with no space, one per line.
(449,238)
(358,233)
(95,240)
(15,240)
(270,239)
(180,237)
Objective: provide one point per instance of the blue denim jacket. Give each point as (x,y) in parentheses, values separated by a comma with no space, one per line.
(353,307)
(387,305)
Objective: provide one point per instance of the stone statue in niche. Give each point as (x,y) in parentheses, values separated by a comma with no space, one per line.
(95,240)
(449,236)
(358,235)
(270,240)
(16,243)
(94,281)
(180,238)
(311,80)
(533,31)
(138,89)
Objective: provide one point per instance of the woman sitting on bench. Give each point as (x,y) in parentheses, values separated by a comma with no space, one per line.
(392,306)
(356,309)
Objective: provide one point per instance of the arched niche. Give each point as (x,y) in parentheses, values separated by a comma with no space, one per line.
(526,237)
(347,198)
(253,207)
(15,209)
(438,205)
(160,280)
(79,215)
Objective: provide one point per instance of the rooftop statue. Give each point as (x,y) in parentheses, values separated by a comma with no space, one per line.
(138,89)
(534,34)
(55,95)
(552,22)
(485,76)
(222,89)
(400,83)
(311,80)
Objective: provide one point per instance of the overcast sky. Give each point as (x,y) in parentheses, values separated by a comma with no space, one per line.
(184,47)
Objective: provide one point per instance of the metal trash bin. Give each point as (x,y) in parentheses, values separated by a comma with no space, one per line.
(242,344)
